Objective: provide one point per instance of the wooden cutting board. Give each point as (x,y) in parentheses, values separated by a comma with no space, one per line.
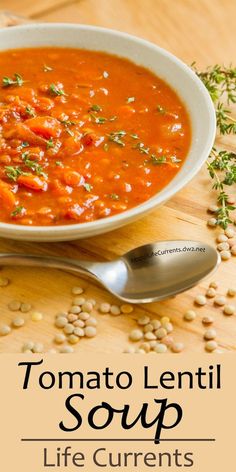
(184,216)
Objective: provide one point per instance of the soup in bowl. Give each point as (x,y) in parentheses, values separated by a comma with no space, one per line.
(97,128)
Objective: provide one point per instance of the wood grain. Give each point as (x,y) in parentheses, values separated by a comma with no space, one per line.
(203,31)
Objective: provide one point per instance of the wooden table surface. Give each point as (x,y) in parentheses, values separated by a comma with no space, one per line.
(201,31)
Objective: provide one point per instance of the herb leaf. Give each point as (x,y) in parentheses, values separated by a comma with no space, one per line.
(56,91)
(8,81)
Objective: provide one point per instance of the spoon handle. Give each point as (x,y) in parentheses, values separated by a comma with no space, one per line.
(31,260)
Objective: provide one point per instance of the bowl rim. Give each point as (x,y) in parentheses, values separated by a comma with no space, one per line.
(166,193)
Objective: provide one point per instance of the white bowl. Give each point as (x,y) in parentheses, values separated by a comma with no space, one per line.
(179,76)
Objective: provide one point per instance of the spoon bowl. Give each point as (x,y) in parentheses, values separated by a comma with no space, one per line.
(145,274)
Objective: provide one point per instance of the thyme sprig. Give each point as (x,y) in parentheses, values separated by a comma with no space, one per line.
(221,164)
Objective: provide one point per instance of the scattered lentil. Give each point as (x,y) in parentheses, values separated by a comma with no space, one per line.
(230,233)
(200,300)
(220,300)
(126,308)
(168,327)
(177,347)
(210,334)
(61,322)
(223,246)
(148,328)
(155,323)
(75,309)
(73,339)
(210,293)
(66,350)
(14,305)
(225,255)
(91,321)
(213,208)
(136,335)
(115,310)
(90,331)
(4,330)
(4,281)
(28,346)
(160,348)
(160,333)
(37,316)
(104,308)
(84,316)
(222,238)
(38,348)
(233,250)
(59,338)
(207,320)
(210,346)
(214,284)
(149,336)
(212,222)
(79,332)
(143,320)
(71,317)
(165,319)
(229,310)
(190,315)
(68,329)
(87,306)
(18,322)
(78,301)
(79,324)
(145,346)
(77,290)
(231,292)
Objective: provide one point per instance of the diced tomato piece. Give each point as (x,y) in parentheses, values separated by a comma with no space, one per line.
(73,178)
(33,182)
(92,139)
(7,197)
(74,212)
(45,126)
(73,146)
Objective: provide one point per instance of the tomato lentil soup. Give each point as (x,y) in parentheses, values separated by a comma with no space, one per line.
(83,135)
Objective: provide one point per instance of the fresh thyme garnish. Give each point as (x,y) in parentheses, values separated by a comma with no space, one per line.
(116,137)
(158,160)
(161,110)
(18,211)
(29,111)
(130,100)
(134,136)
(59,163)
(50,143)
(14,172)
(68,122)
(113,196)
(98,119)
(25,144)
(222,169)
(33,165)
(7,81)
(95,108)
(88,187)
(47,68)
(141,148)
(56,91)
(221,84)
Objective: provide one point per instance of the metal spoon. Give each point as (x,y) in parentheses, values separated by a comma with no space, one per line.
(148,273)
